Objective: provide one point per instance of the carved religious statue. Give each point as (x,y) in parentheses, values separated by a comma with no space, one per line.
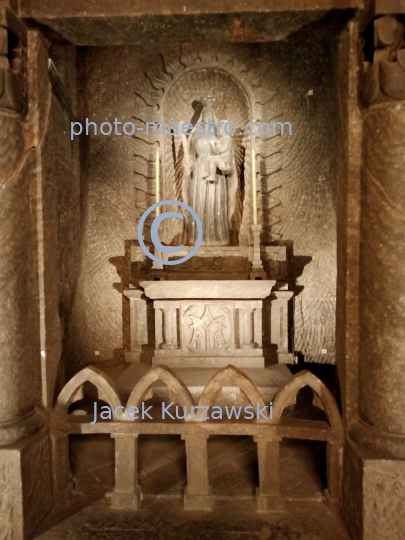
(210,179)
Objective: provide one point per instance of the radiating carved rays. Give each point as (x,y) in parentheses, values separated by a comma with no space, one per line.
(241,83)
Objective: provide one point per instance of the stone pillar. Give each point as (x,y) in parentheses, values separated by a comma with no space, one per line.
(268,495)
(197,495)
(382,263)
(247,328)
(25,468)
(138,324)
(19,362)
(375,454)
(279,321)
(126,492)
(169,328)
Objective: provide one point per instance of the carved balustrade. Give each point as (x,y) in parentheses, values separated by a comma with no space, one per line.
(267,433)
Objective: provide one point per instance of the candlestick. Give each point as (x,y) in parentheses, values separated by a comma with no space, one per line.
(254,195)
(157,180)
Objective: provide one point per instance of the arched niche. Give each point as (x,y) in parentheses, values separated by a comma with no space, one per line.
(73,391)
(323,398)
(182,103)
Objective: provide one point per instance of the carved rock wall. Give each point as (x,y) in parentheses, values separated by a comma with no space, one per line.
(37,211)
(60,217)
(288,82)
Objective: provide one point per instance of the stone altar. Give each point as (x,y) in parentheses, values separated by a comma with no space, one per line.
(208,323)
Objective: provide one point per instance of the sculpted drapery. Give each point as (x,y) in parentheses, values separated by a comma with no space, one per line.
(212,197)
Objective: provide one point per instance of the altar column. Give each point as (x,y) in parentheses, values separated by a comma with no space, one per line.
(169,327)
(138,324)
(247,328)
(279,321)
(382,279)
(25,468)
(19,344)
(374,466)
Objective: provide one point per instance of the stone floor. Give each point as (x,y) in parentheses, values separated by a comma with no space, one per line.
(165,520)
(162,475)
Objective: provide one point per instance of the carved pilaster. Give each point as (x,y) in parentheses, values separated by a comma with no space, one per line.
(138,324)
(169,328)
(247,328)
(166,325)
(279,323)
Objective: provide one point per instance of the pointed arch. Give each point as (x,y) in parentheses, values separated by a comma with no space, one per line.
(236,376)
(288,393)
(166,375)
(73,391)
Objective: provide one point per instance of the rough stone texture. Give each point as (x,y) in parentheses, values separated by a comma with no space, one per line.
(100,23)
(384,508)
(348,221)
(59,215)
(24,235)
(19,368)
(374,489)
(382,315)
(298,186)
(25,486)
(166,519)
(6,502)
(36,481)
(373,471)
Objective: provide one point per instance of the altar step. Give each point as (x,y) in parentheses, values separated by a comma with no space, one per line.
(268,380)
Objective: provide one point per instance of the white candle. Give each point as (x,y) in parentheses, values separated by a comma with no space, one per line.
(157,180)
(254,195)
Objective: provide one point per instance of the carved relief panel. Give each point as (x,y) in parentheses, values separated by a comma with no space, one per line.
(207,328)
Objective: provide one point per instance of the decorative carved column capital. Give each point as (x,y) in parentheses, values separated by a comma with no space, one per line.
(384,77)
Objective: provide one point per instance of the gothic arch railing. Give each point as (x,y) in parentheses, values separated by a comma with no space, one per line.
(237,376)
(197,496)
(288,393)
(167,376)
(73,391)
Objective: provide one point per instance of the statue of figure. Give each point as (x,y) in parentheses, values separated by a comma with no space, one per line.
(210,179)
